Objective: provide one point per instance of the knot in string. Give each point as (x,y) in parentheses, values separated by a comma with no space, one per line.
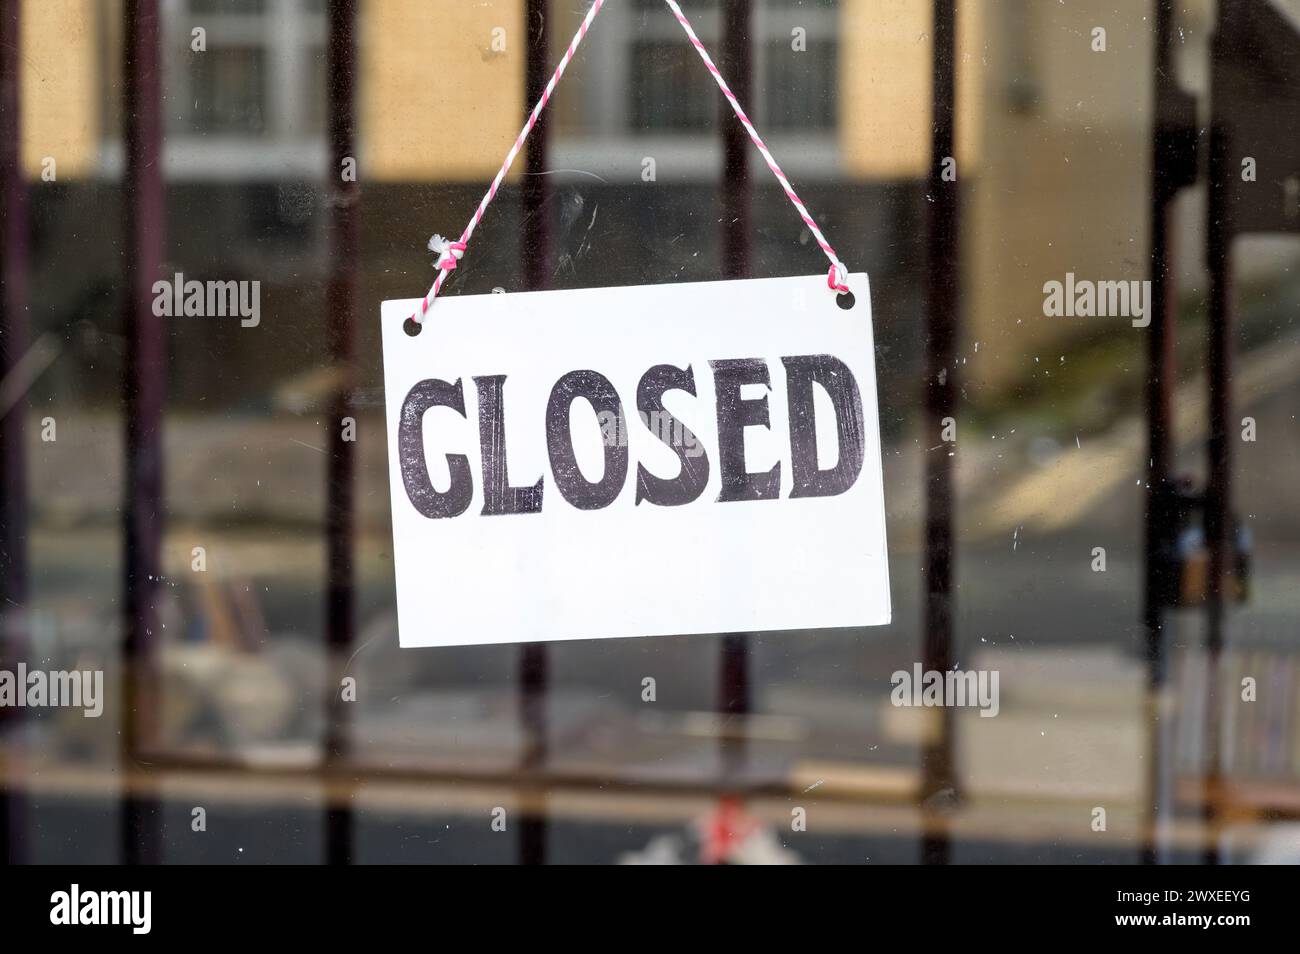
(837,278)
(449,252)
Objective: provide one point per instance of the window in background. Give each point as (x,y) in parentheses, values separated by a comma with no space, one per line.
(800,88)
(794,89)
(248,106)
(670,88)
(229,91)
(655,95)
(259,75)
(244,127)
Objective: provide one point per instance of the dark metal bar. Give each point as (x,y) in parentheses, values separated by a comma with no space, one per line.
(1218,488)
(1173,166)
(345,248)
(15,336)
(1255,105)
(938,779)
(537,275)
(536,185)
(738,66)
(144,210)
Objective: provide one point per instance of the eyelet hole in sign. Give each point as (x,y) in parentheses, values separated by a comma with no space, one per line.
(844,299)
(411,326)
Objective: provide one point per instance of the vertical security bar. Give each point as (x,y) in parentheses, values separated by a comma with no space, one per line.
(738,65)
(938,781)
(14,340)
(344,251)
(1173,166)
(1218,488)
(145,383)
(537,271)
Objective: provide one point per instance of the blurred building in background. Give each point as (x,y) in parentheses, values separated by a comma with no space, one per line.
(1054,161)
(1051,133)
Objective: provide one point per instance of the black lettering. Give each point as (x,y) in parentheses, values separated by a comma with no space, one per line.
(498,496)
(694,473)
(573,486)
(410,451)
(734,415)
(833,375)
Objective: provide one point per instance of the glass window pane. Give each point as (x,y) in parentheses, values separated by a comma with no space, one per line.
(229,91)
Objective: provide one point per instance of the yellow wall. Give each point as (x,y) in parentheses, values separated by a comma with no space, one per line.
(1060,187)
(60,94)
(1065,186)
(436,102)
(885,70)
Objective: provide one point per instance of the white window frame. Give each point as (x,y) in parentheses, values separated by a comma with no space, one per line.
(287,30)
(614,152)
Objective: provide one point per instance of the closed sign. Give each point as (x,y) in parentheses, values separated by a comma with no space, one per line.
(663,459)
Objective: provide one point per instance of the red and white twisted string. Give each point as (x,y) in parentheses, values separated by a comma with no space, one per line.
(451,252)
(835,278)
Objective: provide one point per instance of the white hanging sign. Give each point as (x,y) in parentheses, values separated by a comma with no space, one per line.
(653,460)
